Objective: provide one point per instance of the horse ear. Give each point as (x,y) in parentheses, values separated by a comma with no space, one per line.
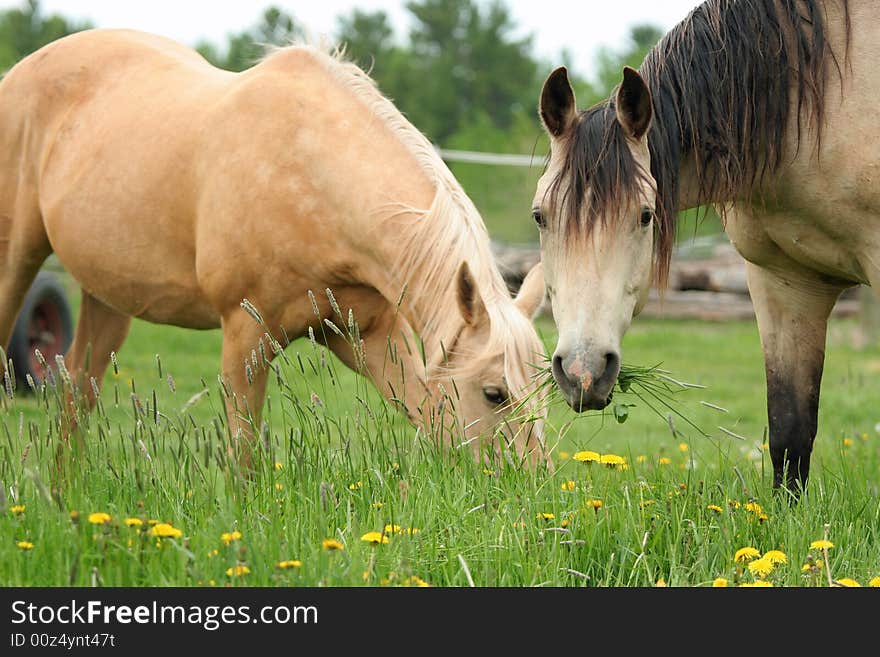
(558,109)
(470,303)
(634,106)
(531,292)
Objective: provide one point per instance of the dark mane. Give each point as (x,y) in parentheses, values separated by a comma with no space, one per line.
(723,81)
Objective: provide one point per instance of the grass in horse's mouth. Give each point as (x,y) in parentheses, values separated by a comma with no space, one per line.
(650,385)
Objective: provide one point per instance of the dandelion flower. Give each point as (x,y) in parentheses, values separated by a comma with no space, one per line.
(821,544)
(488,472)
(664,460)
(411,530)
(683,447)
(133,522)
(16,509)
(355,485)
(761,567)
(228,537)
(564,523)
(278,465)
(25,545)
(546,516)
(875,582)
(377,505)
(238,571)
(715,508)
(99,518)
(596,504)
(757,584)
(278,485)
(848,442)
(374,537)
(74,516)
(754,507)
(568,485)
(290,563)
(848,582)
(415,580)
(646,503)
(746,554)
(332,544)
(612,460)
(586,457)
(165,530)
(661,583)
(719,583)
(775,556)
(641,458)
(392,529)
(152,522)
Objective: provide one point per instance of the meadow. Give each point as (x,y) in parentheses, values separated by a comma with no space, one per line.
(349,494)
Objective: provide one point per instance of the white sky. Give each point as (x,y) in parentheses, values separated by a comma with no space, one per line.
(579,26)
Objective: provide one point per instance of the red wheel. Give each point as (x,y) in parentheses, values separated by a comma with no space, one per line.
(44,323)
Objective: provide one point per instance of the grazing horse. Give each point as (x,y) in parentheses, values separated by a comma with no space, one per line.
(183,194)
(764,108)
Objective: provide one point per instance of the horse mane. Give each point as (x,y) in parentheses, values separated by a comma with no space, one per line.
(434,241)
(723,81)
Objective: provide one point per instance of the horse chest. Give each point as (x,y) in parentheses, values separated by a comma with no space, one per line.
(785,240)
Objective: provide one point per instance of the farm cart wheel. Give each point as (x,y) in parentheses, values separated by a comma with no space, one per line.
(44,323)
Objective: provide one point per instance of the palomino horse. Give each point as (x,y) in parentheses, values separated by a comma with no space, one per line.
(766,108)
(173,191)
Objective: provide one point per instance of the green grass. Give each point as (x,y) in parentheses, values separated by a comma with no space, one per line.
(350,465)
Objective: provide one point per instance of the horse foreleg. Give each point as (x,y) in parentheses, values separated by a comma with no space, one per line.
(244,377)
(792,309)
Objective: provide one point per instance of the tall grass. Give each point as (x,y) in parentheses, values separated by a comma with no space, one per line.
(336,461)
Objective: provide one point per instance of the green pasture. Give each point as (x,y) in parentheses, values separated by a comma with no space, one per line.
(338,463)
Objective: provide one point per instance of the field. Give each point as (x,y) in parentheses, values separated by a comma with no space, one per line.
(339,463)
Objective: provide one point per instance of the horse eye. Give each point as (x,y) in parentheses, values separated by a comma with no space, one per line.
(539,218)
(495,395)
(647,217)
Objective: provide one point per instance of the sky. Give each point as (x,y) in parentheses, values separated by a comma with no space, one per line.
(580,27)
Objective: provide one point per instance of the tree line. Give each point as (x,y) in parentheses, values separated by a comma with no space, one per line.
(463,74)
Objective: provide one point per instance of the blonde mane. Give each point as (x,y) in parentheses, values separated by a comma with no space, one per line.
(452,221)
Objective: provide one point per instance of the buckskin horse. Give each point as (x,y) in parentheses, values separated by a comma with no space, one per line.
(764,108)
(183,194)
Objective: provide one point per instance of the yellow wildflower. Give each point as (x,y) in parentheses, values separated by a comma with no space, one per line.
(664,460)
(875,582)
(821,544)
(761,567)
(374,537)
(715,508)
(165,530)
(586,457)
(16,509)
(757,584)
(488,472)
(278,465)
(133,522)
(415,580)
(411,530)
(569,485)
(847,442)
(848,582)
(25,545)
(238,571)
(719,583)
(746,554)
(290,563)
(564,523)
(776,556)
(377,505)
(754,507)
(355,485)
(661,582)
(546,516)
(641,458)
(612,460)
(332,544)
(564,456)
(392,529)
(596,504)
(228,537)
(99,518)
(683,447)
(278,485)
(74,516)
(152,522)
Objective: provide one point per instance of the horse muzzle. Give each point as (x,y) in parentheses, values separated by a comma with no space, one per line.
(585,380)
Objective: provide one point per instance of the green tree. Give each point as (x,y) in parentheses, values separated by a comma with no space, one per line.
(243,50)
(24,30)
(368,39)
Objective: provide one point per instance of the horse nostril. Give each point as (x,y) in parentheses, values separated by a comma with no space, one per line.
(558,369)
(612,362)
